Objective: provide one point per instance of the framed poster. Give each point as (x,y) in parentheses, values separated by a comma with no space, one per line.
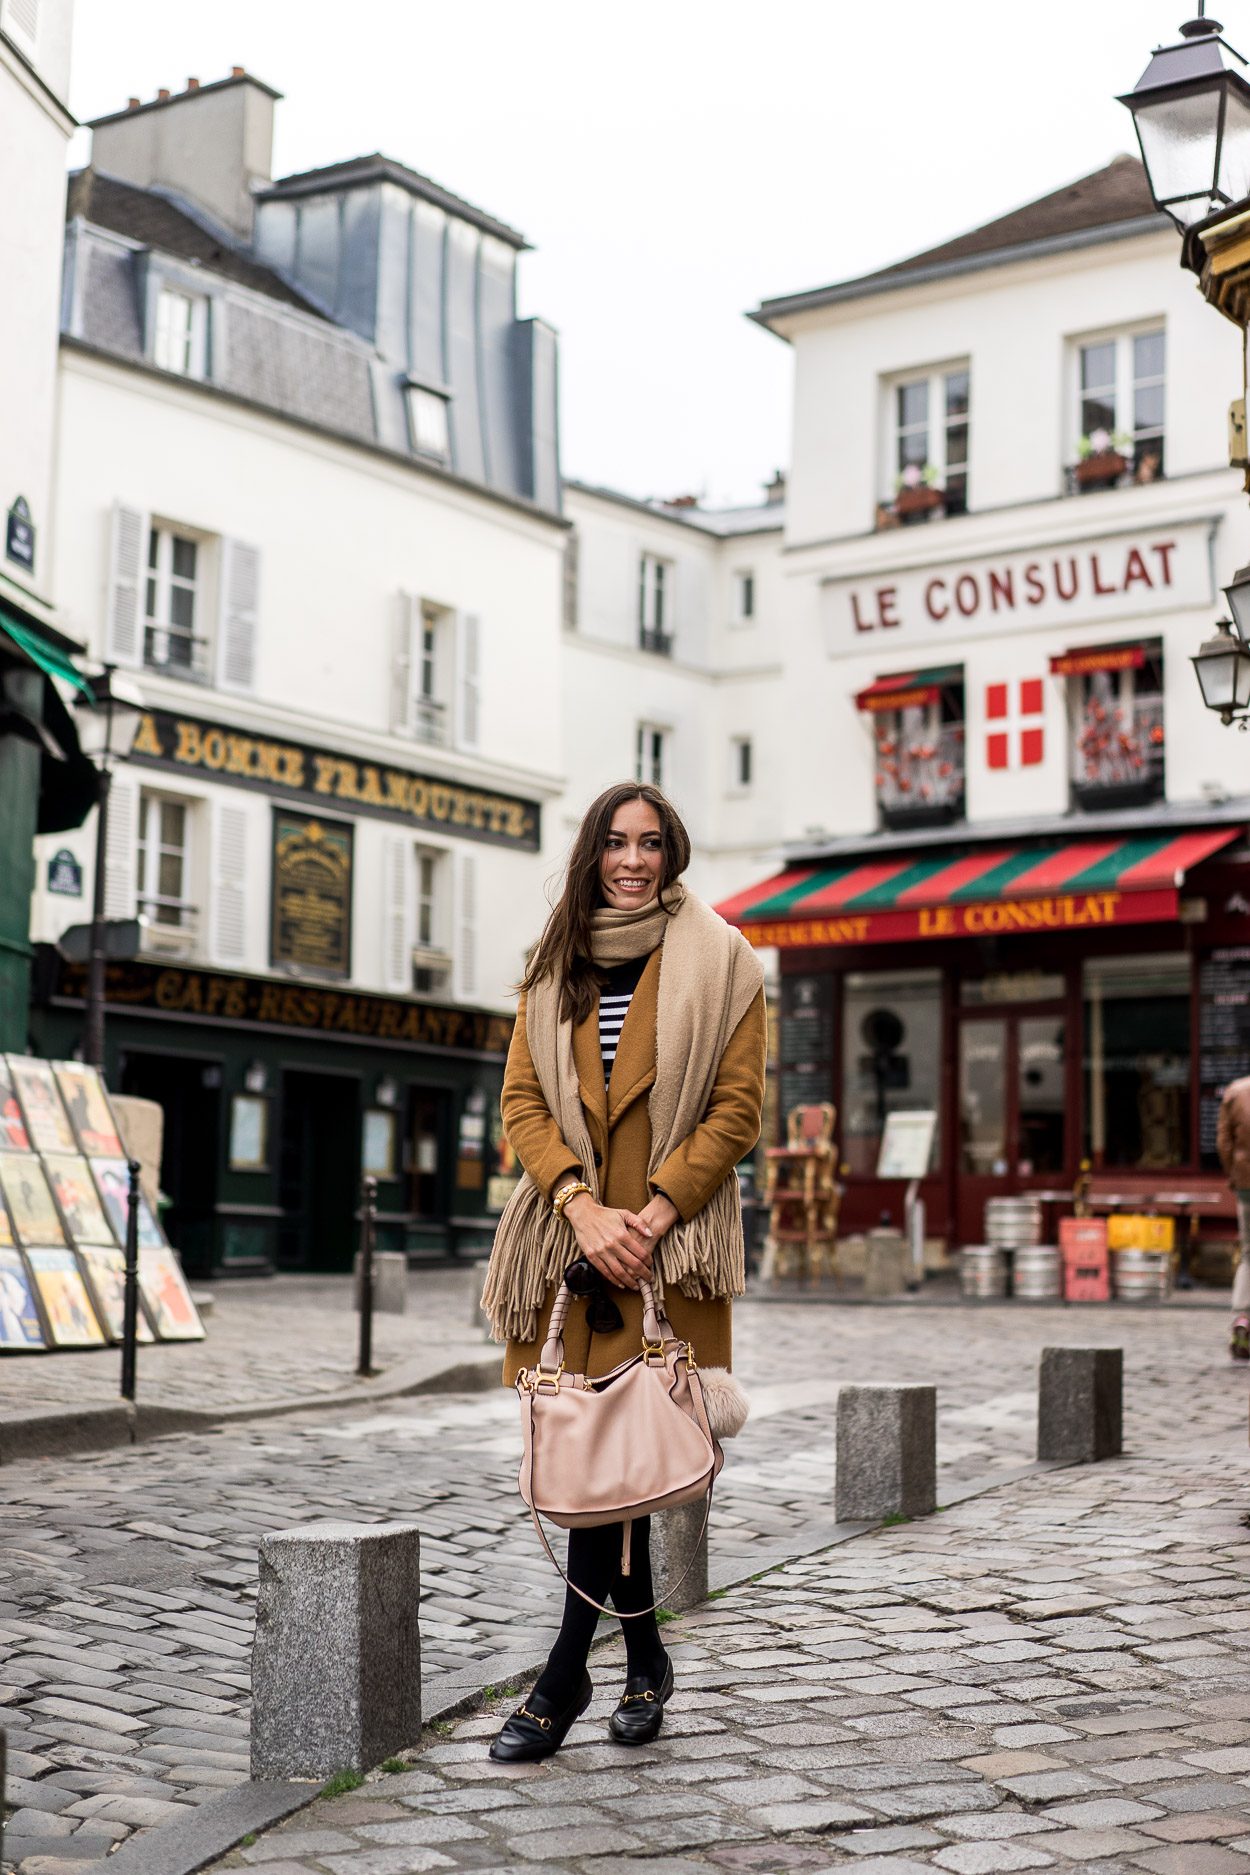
(20,1327)
(46,1121)
(311,922)
(906,1144)
(82,1090)
(13,1134)
(249,1133)
(105,1268)
(34,1215)
(66,1303)
(167,1296)
(76,1197)
(112,1181)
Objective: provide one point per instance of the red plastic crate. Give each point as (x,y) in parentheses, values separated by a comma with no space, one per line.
(1086,1264)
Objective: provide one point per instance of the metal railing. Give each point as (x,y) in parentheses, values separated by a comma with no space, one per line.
(920,770)
(169,927)
(429,720)
(660,643)
(176,654)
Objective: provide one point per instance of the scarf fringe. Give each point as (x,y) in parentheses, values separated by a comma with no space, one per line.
(704,1257)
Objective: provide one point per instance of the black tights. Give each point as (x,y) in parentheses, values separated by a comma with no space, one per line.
(595,1566)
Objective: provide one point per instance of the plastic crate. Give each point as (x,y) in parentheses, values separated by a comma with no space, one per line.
(1086,1263)
(1129,1231)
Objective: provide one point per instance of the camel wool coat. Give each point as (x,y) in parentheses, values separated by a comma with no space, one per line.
(619,1124)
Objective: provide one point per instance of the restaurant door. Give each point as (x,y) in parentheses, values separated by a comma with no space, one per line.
(1012,1107)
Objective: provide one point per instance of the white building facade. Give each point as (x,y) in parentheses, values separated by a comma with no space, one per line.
(308,498)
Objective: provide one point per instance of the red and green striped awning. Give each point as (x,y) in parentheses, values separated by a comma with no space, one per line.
(998,889)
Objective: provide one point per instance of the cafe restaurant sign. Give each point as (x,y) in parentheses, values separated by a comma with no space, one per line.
(1084,583)
(1065,911)
(294,770)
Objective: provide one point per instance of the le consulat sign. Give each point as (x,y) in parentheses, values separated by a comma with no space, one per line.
(296,770)
(1085,582)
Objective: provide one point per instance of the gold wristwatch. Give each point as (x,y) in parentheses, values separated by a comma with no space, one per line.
(570,1190)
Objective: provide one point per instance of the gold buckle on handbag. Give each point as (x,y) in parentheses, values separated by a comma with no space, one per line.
(650,1348)
(530,1379)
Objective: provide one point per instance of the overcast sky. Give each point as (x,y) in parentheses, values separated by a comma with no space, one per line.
(673,162)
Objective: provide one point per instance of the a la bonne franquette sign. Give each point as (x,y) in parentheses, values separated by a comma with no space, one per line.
(1080,582)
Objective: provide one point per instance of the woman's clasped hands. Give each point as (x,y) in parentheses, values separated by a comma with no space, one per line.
(619,1243)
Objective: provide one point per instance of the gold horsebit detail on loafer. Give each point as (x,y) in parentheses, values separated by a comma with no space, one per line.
(626,1698)
(525,1713)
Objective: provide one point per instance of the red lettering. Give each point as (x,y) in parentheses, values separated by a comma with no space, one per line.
(1032,579)
(1002,586)
(933,586)
(967,580)
(1059,580)
(1135,569)
(1099,588)
(860,626)
(887,597)
(1164,549)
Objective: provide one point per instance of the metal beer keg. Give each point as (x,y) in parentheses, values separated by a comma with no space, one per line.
(982,1270)
(1038,1273)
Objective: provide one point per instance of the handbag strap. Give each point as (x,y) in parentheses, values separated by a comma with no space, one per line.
(656,1328)
(630,1614)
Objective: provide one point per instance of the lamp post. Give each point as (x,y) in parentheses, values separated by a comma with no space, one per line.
(108,722)
(1191,111)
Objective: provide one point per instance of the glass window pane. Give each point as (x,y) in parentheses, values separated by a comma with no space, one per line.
(983,1098)
(1098,367)
(913,447)
(1148,355)
(891,1055)
(1040,1075)
(1148,407)
(149,604)
(173,823)
(1013,986)
(956,445)
(1137,1042)
(182,607)
(913,404)
(1097,413)
(957,393)
(154,546)
(184,558)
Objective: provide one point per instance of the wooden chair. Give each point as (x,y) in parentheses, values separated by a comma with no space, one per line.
(802,1196)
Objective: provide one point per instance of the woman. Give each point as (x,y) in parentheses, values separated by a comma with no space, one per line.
(633,1088)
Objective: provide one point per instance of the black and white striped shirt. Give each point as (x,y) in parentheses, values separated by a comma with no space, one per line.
(614,1000)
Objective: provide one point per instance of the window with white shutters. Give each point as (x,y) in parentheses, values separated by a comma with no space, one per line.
(401,665)
(229,897)
(468,681)
(21,19)
(121,848)
(240,596)
(123,644)
(467,945)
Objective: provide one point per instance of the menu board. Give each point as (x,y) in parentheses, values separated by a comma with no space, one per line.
(1223,1038)
(806,1041)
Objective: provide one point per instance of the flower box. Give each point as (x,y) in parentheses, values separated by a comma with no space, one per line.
(920,500)
(1100,469)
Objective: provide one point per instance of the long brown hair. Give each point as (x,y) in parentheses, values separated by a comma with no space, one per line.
(563,951)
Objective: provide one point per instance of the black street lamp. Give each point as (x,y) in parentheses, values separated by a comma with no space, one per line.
(1222,666)
(1191,110)
(108,722)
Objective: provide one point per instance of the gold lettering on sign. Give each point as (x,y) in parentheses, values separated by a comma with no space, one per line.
(147,742)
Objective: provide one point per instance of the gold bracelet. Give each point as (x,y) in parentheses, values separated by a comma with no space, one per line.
(565,1193)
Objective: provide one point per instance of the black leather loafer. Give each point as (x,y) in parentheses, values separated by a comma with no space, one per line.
(538,1728)
(638,1718)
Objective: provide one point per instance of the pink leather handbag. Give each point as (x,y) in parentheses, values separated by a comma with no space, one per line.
(608,1450)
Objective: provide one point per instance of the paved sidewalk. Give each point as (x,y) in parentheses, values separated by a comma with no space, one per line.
(1052,1676)
(127,1578)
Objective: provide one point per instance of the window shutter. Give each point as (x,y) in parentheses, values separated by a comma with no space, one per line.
(397,920)
(236,636)
(229,902)
(468,663)
(121,850)
(467,948)
(127,554)
(401,665)
(21,18)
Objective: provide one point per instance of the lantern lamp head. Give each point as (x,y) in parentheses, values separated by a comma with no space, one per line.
(1191,110)
(1223,668)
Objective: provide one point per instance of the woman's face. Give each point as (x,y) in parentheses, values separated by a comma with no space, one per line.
(633,857)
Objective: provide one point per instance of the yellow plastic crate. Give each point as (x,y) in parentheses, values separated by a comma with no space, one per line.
(1132,1232)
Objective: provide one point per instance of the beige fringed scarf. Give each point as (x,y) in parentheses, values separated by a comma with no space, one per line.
(709,977)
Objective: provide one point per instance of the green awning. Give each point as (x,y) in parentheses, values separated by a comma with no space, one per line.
(41,652)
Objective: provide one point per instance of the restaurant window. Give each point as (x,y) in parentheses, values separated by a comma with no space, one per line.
(918,731)
(891,1055)
(1137,1047)
(1120,391)
(172,603)
(1115,707)
(928,458)
(655,605)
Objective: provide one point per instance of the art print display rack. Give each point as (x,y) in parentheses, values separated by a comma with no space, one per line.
(64,1201)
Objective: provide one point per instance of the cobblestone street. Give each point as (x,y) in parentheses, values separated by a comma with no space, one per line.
(126,1581)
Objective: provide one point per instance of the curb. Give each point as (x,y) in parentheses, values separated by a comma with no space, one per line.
(62,1431)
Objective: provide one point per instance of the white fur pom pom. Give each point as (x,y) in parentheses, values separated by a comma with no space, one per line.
(727,1404)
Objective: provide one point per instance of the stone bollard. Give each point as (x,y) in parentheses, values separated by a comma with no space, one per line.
(336,1665)
(1080,1400)
(678,1539)
(886,1263)
(390,1282)
(886,1452)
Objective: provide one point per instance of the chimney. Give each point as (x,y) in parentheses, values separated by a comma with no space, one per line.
(132,104)
(211,144)
(775,490)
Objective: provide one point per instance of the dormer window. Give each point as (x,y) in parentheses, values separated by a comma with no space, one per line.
(181,329)
(429,431)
